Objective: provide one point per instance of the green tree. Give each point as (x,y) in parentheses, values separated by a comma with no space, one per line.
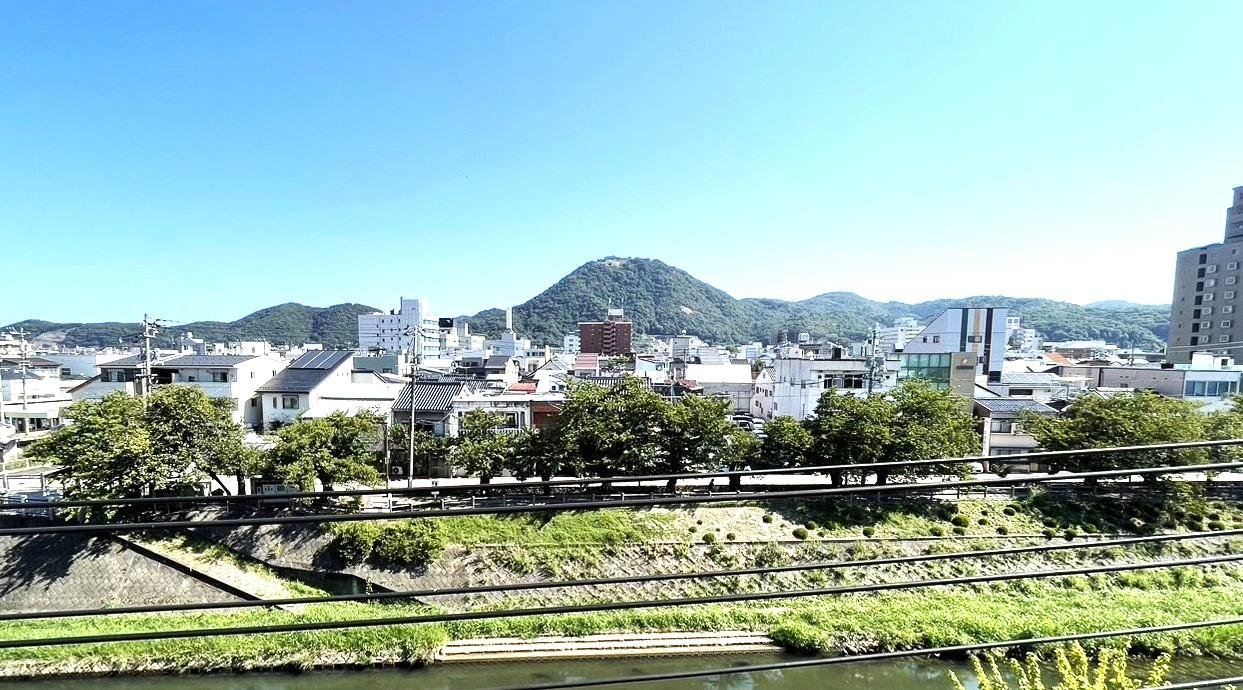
(614,430)
(335,449)
(1142,418)
(191,431)
(742,450)
(698,435)
(916,421)
(786,443)
(850,430)
(929,423)
(481,450)
(540,454)
(106,451)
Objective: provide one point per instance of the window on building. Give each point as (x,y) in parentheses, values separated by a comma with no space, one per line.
(1199,299)
(1200,273)
(1211,268)
(220,377)
(254,402)
(1232,266)
(1211,282)
(936,338)
(975,338)
(1208,296)
(1207,325)
(1196,313)
(1204,258)
(1208,310)
(1227,309)
(1223,338)
(274,397)
(1200,286)
(1227,323)
(1229,294)
(1017,392)
(1195,327)
(289,402)
(1002,426)
(1231,280)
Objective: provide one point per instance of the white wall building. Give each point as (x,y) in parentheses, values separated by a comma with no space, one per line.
(302,385)
(571,344)
(979,331)
(894,338)
(732,381)
(413,327)
(799,383)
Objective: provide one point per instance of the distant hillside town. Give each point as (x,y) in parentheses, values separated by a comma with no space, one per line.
(415,367)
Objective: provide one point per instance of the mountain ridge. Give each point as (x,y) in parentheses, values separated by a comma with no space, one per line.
(660,299)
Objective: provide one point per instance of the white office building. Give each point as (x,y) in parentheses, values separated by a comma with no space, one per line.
(412,328)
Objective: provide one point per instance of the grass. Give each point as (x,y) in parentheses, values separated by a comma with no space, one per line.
(877,622)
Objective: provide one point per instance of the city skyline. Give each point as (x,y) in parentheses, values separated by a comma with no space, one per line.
(474,155)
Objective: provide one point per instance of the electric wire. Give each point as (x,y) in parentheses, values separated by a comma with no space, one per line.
(584,481)
(1213,683)
(955,650)
(318,518)
(141,636)
(630,579)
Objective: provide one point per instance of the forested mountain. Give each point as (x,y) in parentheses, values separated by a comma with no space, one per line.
(284,323)
(661,299)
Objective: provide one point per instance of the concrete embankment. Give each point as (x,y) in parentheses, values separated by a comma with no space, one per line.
(495,649)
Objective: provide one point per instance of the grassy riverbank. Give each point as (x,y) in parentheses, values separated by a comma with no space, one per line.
(627,542)
(848,624)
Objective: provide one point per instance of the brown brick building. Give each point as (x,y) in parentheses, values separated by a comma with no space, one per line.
(609,338)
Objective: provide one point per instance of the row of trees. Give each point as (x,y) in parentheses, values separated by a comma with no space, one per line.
(122,446)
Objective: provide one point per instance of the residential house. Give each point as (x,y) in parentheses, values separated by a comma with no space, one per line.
(305,382)
(1003,434)
(763,398)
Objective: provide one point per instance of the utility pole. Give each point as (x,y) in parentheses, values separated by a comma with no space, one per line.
(876,361)
(415,333)
(22,363)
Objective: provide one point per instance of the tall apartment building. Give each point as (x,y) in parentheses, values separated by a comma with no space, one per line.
(610,338)
(413,328)
(1206,294)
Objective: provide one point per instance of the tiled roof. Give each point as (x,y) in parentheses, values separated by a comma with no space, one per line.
(35,362)
(428,396)
(206,361)
(131,361)
(1014,406)
(497,361)
(523,387)
(321,359)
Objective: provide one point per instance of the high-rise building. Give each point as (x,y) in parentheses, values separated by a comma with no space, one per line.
(610,338)
(412,328)
(1206,294)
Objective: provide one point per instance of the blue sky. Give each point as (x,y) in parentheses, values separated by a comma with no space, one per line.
(199,160)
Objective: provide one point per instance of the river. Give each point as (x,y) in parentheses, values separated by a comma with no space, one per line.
(917,674)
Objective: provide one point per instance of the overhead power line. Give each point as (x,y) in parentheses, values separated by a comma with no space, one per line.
(592,608)
(955,650)
(594,505)
(631,579)
(815,469)
(1215,683)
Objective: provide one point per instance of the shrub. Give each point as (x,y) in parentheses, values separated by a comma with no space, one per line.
(767,517)
(355,541)
(414,543)
(1215,517)
(960,531)
(709,537)
(982,522)
(937,531)
(1070,534)
(800,532)
(693,529)
(1003,530)
(1010,512)
(1050,523)
(960,521)
(731,537)
(811,526)
(1216,525)
(1049,534)
(797,636)
(868,531)
(699,522)
(771,555)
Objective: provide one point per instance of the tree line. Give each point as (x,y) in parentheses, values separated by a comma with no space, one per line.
(121,446)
